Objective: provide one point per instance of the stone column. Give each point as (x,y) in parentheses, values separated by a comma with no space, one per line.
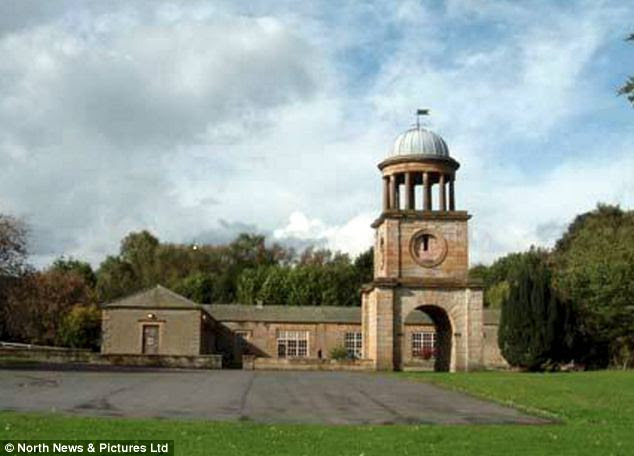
(409,192)
(386,194)
(393,191)
(398,192)
(452,198)
(426,192)
(441,189)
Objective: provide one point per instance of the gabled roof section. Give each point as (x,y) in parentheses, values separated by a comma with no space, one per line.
(157,297)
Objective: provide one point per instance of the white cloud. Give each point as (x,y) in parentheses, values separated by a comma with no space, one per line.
(353,237)
(94,124)
(197,120)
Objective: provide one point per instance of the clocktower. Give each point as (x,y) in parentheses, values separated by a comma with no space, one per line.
(421,258)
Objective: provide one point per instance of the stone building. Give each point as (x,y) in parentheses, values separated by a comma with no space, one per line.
(421,259)
(156,322)
(421,311)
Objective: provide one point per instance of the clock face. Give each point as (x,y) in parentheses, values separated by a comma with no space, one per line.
(428,248)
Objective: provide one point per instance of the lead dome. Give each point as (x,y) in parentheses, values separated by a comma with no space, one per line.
(419,141)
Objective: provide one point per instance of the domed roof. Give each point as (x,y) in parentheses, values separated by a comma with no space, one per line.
(419,141)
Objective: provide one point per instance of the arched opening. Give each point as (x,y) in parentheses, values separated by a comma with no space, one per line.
(428,338)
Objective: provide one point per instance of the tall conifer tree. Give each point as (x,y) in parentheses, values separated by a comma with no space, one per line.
(535,328)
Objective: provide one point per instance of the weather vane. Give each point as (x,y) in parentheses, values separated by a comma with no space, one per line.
(420,112)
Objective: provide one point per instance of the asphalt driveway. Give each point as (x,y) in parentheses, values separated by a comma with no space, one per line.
(293,397)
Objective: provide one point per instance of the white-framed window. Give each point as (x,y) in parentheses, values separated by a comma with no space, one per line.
(353,342)
(292,344)
(424,344)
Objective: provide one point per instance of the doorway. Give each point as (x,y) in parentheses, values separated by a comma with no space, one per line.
(428,338)
(150,339)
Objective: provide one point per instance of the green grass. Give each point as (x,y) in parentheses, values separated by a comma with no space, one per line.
(596,410)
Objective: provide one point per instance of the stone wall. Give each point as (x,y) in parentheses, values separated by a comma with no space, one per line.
(492,356)
(50,355)
(79,356)
(307,364)
(475,325)
(261,339)
(174,361)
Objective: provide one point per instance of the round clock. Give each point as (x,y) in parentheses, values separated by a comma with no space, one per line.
(428,248)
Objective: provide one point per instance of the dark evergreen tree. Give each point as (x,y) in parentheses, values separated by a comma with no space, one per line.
(536,327)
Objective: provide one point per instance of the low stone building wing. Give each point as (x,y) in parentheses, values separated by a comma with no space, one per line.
(156,322)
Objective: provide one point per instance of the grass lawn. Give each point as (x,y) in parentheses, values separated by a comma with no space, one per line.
(596,410)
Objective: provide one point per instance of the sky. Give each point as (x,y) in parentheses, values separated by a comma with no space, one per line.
(199,120)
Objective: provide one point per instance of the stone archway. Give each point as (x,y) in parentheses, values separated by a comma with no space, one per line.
(418,337)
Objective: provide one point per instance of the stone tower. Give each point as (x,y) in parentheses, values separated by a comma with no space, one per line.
(421,259)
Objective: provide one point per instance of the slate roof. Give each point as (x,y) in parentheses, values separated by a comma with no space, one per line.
(157,297)
(286,314)
(296,314)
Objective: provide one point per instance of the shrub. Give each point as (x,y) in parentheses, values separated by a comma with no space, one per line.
(339,353)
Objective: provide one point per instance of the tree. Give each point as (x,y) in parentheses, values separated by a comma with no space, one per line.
(594,268)
(246,270)
(198,287)
(536,328)
(81,327)
(12,246)
(495,277)
(275,288)
(116,279)
(249,284)
(628,87)
(13,251)
(248,250)
(80,267)
(364,264)
(139,251)
(311,256)
(496,294)
(340,286)
(478,272)
(305,285)
(38,305)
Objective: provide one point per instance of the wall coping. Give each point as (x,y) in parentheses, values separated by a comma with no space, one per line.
(405,214)
(420,283)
